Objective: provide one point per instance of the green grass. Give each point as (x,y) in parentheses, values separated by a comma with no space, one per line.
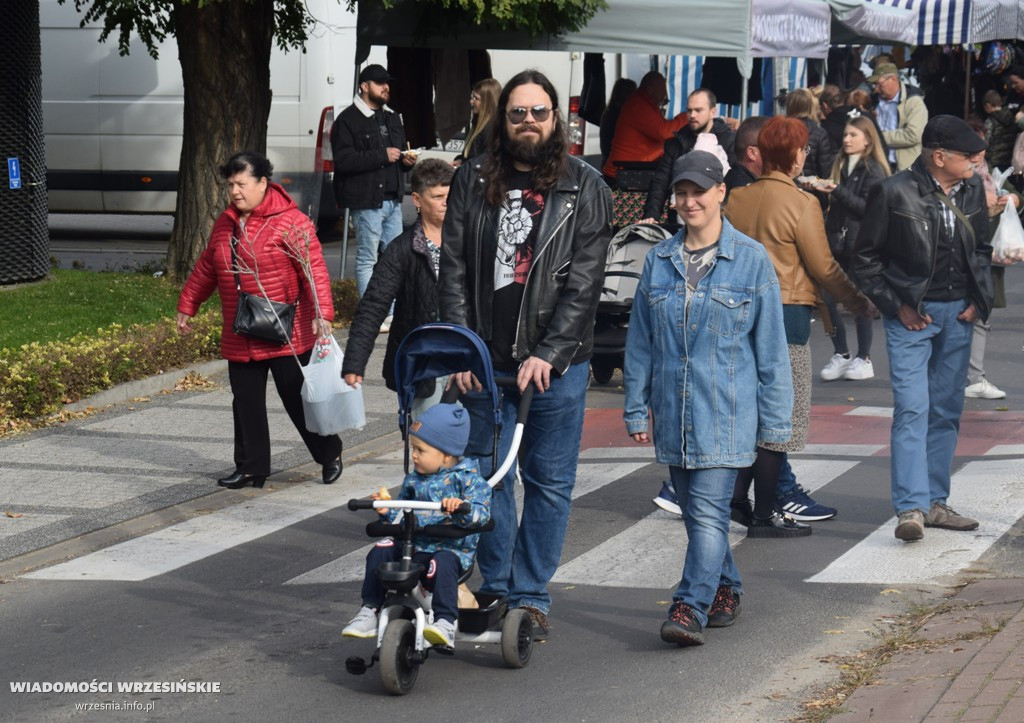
(69,302)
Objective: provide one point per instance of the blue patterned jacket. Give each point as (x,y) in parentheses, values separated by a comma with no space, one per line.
(462,481)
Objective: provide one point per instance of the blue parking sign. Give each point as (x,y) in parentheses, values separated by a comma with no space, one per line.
(14,172)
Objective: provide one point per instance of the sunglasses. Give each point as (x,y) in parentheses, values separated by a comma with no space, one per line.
(518,114)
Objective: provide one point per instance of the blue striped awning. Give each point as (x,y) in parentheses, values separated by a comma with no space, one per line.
(939,22)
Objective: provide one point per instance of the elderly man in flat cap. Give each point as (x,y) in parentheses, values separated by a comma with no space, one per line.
(923,257)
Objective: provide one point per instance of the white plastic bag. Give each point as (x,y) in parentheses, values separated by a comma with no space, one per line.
(330,405)
(1008,243)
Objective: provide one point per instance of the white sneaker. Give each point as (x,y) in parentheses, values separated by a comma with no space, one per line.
(835,368)
(363,625)
(859,369)
(386,326)
(984,390)
(440,632)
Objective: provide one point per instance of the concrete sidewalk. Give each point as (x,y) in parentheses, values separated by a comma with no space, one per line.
(152,449)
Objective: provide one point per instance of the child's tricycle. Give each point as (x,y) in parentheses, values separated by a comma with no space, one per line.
(427,353)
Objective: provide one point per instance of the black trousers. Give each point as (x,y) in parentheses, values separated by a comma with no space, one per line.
(249,409)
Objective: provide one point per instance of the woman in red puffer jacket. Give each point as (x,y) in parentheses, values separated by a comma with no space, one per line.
(272,236)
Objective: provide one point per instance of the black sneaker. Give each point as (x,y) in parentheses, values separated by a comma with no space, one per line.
(541,628)
(725,609)
(682,627)
(778,525)
(741,512)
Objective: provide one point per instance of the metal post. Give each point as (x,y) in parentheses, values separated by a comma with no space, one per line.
(344,245)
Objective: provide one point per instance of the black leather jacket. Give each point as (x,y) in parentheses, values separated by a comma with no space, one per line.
(556,319)
(894,257)
(847,206)
(681,143)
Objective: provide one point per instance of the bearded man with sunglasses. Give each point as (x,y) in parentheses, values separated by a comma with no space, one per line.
(922,255)
(522,264)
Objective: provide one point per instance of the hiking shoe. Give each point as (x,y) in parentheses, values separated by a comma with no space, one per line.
(984,390)
(682,626)
(666,499)
(944,516)
(741,512)
(441,632)
(725,609)
(541,628)
(363,625)
(910,527)
(778,525)
(835,368)
(800,506)
(859,370)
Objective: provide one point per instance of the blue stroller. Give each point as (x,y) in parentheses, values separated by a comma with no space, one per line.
(427,353)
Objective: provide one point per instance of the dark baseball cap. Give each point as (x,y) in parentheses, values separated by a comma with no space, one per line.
(375,74)
(700,167)
(953,134)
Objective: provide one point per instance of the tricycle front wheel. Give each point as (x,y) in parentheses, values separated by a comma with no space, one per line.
(398,669)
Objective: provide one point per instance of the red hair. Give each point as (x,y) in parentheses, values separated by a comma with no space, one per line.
(779,141)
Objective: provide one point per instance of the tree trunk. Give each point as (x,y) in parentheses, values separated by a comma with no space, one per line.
(224,49)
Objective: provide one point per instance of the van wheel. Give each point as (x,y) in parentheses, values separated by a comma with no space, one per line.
(603,371)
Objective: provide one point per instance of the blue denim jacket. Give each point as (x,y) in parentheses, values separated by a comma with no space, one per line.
(719,382)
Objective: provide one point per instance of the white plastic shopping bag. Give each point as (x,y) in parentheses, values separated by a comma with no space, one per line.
(1008,242)
(330,405)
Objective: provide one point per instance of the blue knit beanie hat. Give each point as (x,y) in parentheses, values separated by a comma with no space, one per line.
(444,426)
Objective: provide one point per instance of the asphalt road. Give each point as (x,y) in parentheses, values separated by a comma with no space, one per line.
(239,617)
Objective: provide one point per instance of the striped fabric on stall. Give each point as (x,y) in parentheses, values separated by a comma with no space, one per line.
(940,22)
(683,73)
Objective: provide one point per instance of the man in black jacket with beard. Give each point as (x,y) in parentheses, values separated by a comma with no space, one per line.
(923,257)
(701,115)
(525,238)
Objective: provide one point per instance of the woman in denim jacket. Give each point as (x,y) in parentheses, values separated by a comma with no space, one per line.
(706,357)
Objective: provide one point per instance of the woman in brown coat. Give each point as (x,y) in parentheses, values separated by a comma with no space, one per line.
(789,223)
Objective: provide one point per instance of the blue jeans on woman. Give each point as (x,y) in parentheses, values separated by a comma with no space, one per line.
(519,557)
(704,496)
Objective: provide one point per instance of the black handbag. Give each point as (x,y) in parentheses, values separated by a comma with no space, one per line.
(259,317)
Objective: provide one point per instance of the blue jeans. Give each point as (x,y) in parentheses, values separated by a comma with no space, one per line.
(375,229)
(704,496)
(519,557)
(787,480)
(928,369)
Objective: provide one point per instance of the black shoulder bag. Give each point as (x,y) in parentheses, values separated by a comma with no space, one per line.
(258,316)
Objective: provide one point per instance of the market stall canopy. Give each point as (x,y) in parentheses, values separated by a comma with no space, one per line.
(720,28)
(926,22)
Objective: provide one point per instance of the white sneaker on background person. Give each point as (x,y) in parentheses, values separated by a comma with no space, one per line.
(836,367)
(984,390)
(859,369)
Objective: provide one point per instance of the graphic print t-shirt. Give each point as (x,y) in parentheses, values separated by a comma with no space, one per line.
(518,220)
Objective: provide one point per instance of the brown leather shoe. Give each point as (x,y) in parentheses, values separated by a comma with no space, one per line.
(910,527)
(944,516)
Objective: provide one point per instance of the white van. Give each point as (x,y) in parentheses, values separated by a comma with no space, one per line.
(113,124)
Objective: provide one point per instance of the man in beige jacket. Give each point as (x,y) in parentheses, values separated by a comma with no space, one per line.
(902,115)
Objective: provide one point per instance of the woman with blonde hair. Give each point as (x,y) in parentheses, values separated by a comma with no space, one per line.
(484,102)
(802,105)
(859,167)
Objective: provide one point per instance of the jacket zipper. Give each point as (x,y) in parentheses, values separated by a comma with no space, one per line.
(529,275)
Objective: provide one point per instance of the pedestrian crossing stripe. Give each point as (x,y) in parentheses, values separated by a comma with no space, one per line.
(990,491)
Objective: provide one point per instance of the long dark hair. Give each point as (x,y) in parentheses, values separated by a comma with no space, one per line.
(499,164)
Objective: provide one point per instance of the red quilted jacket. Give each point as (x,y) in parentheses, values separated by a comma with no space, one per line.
(275,223)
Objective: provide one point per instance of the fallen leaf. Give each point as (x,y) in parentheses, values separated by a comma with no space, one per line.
(891,591)
(13,514)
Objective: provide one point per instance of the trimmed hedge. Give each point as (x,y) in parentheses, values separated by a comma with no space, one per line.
(37,379)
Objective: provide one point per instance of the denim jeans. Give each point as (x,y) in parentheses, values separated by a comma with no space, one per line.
(519,557)
(375,229)
(787,480)
(928,369)
(704,496)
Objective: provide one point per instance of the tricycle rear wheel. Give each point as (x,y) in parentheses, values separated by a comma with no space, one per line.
(517,638)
